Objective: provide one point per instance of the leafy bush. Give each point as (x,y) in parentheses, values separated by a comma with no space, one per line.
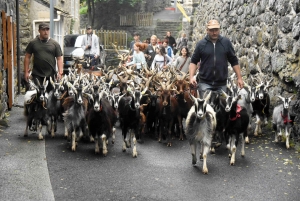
(83,10)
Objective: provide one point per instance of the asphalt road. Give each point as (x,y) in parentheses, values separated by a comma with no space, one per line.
(49,170)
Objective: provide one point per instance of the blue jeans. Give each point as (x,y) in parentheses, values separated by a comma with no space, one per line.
(202,87)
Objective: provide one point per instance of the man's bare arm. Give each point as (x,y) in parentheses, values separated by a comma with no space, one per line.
(237,71)
(192,72)
(26,66)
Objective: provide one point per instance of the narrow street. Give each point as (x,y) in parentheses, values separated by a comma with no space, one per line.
(48,170)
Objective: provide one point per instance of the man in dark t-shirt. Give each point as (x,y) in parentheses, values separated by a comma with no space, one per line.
(47,53)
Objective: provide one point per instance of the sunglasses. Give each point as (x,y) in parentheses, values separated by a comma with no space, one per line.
(45,29)
(88,28)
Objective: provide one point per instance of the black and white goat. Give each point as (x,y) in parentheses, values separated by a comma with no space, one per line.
(101,119)
(54,105)
(281,119)
(261,105)
(74,116)
(200,126)
(237,124)
(129,116)
(35,108)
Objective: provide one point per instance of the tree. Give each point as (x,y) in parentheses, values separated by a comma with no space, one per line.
(90,4)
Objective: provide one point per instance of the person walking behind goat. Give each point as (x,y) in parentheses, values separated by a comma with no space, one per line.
(47,54)
(214,52)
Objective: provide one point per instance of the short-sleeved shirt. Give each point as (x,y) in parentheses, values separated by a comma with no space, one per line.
(45,53)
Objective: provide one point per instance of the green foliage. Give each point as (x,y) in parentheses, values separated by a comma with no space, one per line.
(83,10)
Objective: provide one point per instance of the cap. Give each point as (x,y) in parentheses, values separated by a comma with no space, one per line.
(213,24)
(136,34)
(88,27)
(43,26)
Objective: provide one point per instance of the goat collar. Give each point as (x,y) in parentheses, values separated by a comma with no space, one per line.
(285,118)
(238,115)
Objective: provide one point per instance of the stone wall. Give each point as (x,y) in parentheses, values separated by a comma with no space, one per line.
(264,33)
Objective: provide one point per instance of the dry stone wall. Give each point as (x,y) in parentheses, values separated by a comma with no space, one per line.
(264,33)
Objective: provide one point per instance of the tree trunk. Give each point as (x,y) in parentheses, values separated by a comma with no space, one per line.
(93,13)
(88,2)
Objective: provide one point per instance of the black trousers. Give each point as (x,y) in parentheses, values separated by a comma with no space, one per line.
(41,80)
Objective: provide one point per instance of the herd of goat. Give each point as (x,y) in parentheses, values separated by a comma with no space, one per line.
(153,103)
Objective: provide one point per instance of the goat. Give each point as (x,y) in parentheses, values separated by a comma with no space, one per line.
(184,101)
(237,124)
(101,119)
(245,102)
(54,106)
(168,111)
(74,116)
(261,105)
(35,109)
(200,126)
(129,116)
(281,119)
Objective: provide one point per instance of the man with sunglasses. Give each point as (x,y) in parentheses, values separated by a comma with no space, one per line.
(90,45)
(47,55)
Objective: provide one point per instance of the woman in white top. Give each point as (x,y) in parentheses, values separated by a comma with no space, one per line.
(182,62)
(138,56)
(161,59)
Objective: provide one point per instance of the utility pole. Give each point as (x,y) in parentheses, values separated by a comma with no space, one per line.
(51,18)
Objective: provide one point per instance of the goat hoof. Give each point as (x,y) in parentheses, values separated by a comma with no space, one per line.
(229,155)
(205,171)
(41,137)
(247,140)
(232,163)
(218,144)
(169,144)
